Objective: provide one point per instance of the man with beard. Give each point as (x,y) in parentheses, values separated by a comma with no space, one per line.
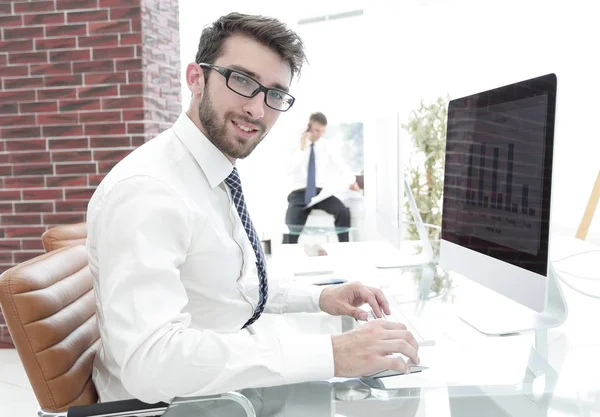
(179,274)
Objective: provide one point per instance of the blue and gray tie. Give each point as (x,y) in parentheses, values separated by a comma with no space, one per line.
(311,178)
(235,185)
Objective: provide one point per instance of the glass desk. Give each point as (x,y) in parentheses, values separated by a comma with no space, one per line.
(541,390)
(555,372)
(327,231)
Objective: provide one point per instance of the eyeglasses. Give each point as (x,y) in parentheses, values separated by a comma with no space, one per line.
(246,86)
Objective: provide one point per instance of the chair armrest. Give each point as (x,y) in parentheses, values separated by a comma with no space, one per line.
(121,408)
(138,408)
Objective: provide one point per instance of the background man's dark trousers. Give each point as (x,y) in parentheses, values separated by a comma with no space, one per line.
(296,213)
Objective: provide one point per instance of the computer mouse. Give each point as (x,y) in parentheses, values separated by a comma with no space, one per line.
(383,374)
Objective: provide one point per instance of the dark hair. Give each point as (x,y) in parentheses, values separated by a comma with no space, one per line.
(319,118)
(266,30)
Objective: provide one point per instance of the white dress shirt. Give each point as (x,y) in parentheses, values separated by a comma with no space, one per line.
(331,170)
(175,280)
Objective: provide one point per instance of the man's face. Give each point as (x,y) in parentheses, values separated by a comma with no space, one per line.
(233,123)
(316,131)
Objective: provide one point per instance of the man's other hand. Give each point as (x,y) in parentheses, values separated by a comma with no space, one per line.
(347,298)
(373,347)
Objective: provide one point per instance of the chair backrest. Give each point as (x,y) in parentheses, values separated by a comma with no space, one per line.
(64,235)
(49,307)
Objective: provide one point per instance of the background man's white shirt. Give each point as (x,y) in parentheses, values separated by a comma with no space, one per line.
(331,171)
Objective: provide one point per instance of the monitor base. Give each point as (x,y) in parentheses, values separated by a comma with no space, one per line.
(513,318)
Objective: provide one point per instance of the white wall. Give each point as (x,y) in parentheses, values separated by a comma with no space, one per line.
(462,47)
(324,85)
(402,51)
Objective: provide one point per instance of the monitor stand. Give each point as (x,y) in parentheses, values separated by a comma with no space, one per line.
(509,317)
(399,260)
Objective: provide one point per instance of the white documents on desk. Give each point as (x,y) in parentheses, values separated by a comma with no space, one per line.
(323,195)
(312,266)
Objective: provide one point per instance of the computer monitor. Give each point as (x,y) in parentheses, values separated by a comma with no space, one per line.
(496,203)
(390,189)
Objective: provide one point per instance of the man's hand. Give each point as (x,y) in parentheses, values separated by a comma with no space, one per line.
(355,187)
(367,349)
(345,300)
(304,140)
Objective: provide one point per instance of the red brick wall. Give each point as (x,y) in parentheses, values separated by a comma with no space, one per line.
(161,65)
(82,83)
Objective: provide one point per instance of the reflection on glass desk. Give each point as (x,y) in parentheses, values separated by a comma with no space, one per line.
(555,372)
(423,283)
(293,229)
(228,404)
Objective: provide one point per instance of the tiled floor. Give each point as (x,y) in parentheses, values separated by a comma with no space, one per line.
(16,395)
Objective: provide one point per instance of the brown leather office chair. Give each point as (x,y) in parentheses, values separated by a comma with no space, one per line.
(64,235)
(49,308)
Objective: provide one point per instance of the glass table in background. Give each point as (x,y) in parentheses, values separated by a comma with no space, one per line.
(327,231)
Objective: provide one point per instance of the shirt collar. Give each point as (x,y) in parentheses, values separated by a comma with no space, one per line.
(212,161)
(318,144)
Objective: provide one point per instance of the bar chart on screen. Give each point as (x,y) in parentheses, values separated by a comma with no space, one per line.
(504,188)
(501,157)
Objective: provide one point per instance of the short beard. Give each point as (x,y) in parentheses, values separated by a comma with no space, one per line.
(216,130)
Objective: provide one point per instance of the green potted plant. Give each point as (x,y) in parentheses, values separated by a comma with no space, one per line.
(427,128)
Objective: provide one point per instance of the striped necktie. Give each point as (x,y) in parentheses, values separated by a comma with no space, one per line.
(235,185)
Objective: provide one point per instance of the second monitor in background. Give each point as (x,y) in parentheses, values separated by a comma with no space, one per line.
(390,189)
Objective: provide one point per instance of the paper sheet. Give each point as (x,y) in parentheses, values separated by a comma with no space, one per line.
(323,195)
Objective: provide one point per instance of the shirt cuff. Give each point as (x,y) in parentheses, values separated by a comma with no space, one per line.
(308,357)
(303,298)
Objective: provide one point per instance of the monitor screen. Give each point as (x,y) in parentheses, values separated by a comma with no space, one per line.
(498,172)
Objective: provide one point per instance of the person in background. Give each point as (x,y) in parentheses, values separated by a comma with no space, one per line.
(315,166)
(179,274)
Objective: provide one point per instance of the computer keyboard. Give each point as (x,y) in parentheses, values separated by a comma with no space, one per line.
(413,323)
(405,314)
